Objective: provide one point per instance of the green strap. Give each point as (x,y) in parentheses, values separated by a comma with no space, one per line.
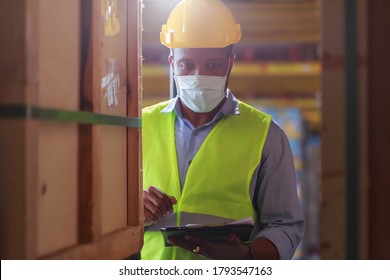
(81,117)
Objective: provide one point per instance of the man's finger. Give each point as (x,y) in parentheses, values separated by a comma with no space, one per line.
(161,200)
(157,202)
(154,211)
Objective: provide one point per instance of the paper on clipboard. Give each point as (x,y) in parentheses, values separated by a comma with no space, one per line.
(245,221)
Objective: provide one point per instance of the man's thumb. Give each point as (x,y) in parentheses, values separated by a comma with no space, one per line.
(172,199)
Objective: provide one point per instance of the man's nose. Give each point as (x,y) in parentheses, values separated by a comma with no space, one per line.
(200,71)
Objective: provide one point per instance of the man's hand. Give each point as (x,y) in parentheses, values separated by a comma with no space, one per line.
(156,205)
(231,249)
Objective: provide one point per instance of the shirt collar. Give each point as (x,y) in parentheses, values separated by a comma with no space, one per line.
(230,107)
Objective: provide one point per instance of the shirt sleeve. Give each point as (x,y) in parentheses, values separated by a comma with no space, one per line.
(274,195)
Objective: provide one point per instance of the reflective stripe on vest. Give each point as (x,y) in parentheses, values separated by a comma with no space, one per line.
(218,179)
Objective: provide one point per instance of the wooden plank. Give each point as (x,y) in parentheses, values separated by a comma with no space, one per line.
(13,224)
(134,95)
(89,202)
(23,86)
(18,178)
(58,53)
(113,101)
(18,84)
(114,246)
(12,51)
(114,178)
(57,187)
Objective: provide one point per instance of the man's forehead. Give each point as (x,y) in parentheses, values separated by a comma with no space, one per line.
(208,53)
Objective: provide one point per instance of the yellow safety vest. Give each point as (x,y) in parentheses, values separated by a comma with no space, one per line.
(218,179)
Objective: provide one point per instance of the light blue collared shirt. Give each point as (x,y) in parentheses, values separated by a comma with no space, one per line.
(273,185)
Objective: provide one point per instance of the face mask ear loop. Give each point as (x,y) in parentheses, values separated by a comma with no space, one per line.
(227,70)
(226,74)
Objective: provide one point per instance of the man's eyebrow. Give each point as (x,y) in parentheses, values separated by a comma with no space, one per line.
(183,59)
(220,59)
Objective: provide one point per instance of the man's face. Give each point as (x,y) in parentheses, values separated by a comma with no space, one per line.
(207,62)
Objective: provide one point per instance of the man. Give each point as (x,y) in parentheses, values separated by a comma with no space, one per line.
(209,158)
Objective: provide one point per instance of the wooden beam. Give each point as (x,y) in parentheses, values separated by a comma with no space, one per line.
(114,246)
(134,97)
(89,200)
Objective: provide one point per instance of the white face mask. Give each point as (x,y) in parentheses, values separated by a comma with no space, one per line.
(201,93)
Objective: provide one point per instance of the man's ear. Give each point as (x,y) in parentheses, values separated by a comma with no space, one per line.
(170,60)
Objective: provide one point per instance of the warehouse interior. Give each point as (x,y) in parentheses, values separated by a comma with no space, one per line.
(318,67)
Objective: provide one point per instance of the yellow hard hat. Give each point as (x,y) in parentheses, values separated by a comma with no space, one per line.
(200,24)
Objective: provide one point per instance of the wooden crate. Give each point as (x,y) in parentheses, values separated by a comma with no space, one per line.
(70,172)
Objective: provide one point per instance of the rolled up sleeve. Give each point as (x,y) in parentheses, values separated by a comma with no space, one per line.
(274,191)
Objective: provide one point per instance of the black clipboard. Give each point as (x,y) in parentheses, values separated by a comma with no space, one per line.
(215,233)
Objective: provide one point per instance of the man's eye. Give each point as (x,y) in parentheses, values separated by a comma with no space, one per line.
(184,66)
(213,66)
